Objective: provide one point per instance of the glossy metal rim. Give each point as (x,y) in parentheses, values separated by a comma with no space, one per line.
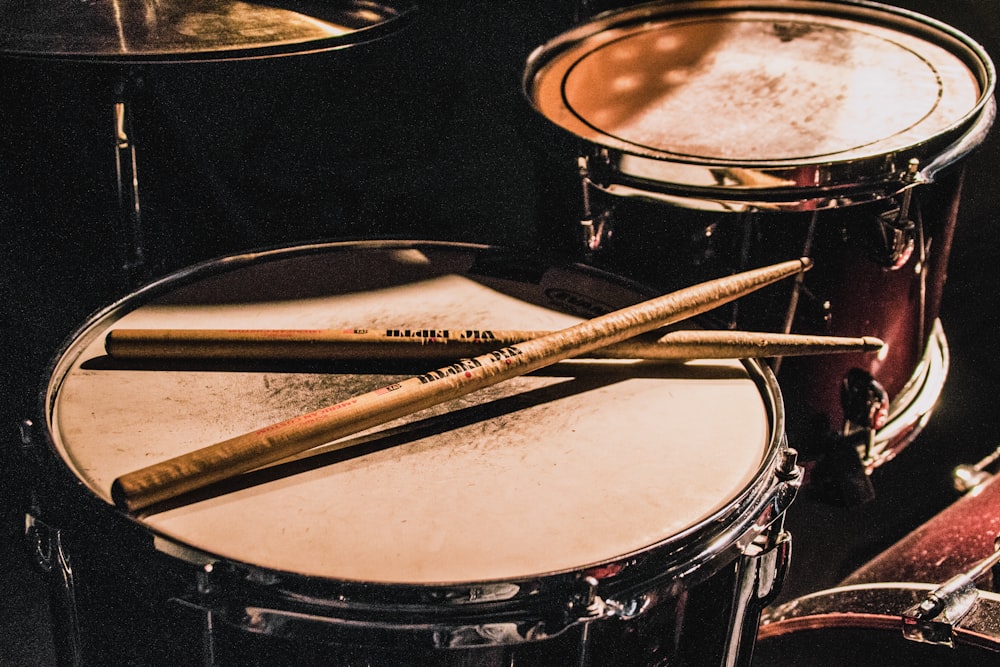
(629,170)
(911,408)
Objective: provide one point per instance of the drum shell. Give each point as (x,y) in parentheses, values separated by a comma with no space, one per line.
(136,605)
(191,602)
(848,292)
(949,543)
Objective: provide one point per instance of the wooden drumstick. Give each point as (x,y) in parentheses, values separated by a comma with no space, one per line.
(188,472)
(427,343)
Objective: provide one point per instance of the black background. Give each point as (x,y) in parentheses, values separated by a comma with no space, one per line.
(420,135)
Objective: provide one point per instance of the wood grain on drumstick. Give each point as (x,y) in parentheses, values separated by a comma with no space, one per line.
(430,343)
(169,479)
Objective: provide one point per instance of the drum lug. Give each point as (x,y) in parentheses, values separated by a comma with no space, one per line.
(851,454)
(587,604)
(596,230)
(761,569)
(897,228)
(933,620)
(203,611)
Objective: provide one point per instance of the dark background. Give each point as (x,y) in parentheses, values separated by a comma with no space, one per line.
(422,135)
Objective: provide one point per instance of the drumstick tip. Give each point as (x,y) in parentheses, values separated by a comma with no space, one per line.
(872,344)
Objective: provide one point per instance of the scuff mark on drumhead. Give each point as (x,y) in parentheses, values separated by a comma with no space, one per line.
(787,31)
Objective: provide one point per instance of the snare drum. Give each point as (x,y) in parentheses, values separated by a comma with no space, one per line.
(596,512)
(700,138)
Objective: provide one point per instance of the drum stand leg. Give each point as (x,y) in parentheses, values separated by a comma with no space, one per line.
(129,209)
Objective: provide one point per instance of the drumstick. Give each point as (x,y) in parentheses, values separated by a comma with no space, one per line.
(427,343)
(188,472)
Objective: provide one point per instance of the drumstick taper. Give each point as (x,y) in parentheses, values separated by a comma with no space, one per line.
(169,479)
(430,343)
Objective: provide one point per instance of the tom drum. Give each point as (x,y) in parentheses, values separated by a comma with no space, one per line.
(692,139)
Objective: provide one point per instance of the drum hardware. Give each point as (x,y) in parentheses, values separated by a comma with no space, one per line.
(204,587)
(127,176)
(762,570)
(596,229)
(866,409)
(934,619)
(967,478)
(897,229)
(843,473)
(49,555)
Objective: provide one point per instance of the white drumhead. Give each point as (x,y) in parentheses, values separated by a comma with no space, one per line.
(758,85)
(569,467)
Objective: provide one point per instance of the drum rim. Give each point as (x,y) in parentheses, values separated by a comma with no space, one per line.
(628,170)
(691,554)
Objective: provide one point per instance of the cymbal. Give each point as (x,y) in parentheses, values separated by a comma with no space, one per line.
(139,31)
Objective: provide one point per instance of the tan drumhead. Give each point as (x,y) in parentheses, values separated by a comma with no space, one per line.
(568,467)
(711,82)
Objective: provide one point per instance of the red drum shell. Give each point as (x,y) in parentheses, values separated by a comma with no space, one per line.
(949,543)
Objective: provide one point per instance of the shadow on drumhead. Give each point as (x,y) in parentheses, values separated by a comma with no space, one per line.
(359,446)
(582,378)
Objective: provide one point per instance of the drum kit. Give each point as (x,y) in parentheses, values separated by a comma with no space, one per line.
(546,505)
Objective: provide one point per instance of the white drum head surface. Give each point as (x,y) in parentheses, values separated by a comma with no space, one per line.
(571,466)
(760,85)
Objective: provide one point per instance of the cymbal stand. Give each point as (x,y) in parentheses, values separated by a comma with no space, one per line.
(126,170)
